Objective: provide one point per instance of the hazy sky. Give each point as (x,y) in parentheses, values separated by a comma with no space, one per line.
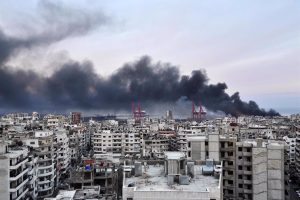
(253,46)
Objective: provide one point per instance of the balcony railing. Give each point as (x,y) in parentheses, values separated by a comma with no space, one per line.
(14,177)
(18,164)
(17,187)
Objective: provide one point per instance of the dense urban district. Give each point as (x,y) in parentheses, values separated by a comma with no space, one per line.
(71,157)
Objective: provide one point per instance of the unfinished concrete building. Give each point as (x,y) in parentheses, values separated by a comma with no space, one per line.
(96,172)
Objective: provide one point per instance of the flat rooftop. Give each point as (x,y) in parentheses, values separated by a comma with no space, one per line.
(153,179)
(174,155)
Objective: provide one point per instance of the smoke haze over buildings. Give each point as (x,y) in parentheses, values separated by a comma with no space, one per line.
(76,85)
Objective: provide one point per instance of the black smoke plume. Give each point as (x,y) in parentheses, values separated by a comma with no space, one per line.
(76,85)
(55,22)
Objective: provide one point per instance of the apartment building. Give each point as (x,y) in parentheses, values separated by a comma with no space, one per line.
(155,145)
(116,141)
(245,165)
(297,156)
(291,143)
(42,147)
(62,151)
(74,147)
(14,173)
(184,133)
(33,176)
(96,172)
(219,148)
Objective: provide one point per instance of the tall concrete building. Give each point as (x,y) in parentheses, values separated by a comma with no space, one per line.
(13,173)
(297,156)
(252,169)
(42,147)
(75,117)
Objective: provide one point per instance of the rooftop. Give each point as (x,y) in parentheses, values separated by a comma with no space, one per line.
(153,179)
(174,155)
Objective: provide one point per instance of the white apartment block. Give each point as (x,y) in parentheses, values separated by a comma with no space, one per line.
(116,141)
(297,156)
(13,173)
(62,151)
(291,143)
(42,145)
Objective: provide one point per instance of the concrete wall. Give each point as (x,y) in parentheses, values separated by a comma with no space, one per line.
(276,172)
(173,167)
(268,172)
(198,150)
(213,147)
(4,178)
(173,195)
(260,173)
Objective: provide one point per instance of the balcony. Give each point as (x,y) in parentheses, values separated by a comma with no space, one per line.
(247,153)
(18,164)
(45,174)
(44,159)
(45,167)
(14,178)
(227,149)
(247,172)
(23,194)
(43,182)
(15,189)
(41,189)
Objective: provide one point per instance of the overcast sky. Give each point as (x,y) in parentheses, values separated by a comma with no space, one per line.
(253,46)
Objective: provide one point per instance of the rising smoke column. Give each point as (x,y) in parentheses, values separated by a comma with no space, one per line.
(76,85)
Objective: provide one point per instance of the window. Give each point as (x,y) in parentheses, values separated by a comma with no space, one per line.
(222,144)
(240,185)
(240,149)
(240,167)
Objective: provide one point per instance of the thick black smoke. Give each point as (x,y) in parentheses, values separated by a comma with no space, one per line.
(54,23)
(76,85)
